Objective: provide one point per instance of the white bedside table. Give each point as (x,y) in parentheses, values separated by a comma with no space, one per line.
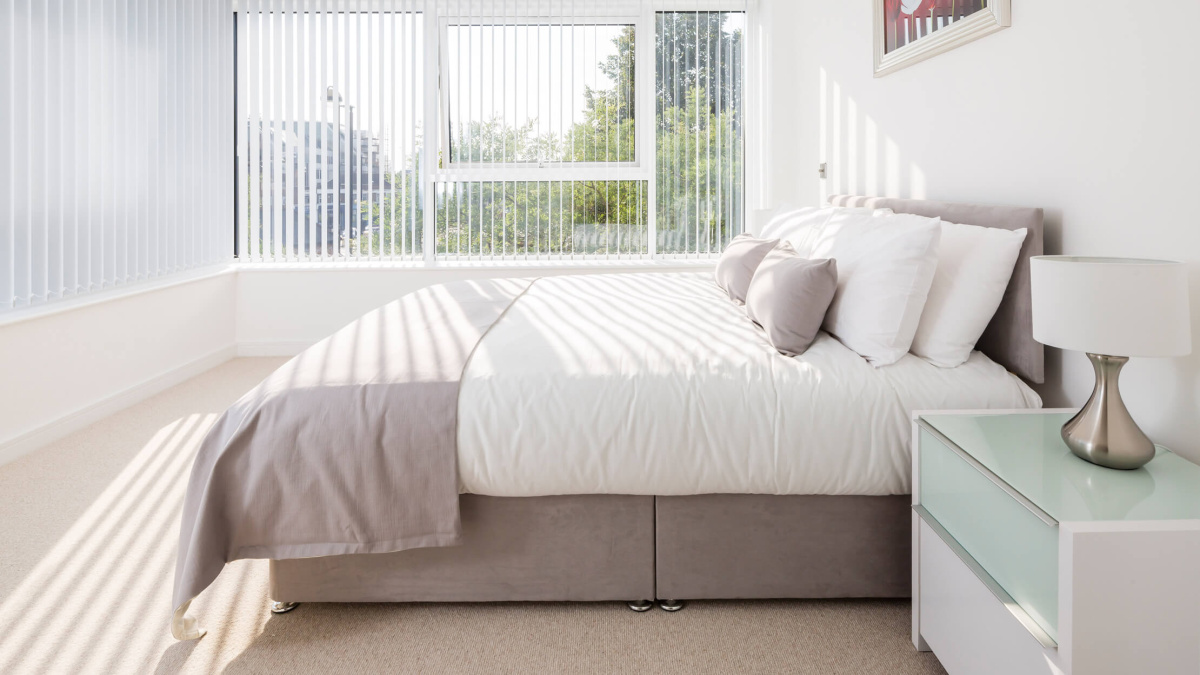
(1027,559)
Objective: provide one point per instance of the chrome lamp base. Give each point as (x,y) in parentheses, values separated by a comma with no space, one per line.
(1104,432)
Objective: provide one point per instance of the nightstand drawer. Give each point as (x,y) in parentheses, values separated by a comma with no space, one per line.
(1014,541)
(969,628)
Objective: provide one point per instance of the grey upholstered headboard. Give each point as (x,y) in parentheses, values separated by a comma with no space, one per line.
(1008,339)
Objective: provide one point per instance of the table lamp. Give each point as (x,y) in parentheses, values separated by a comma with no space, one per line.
(1112,309)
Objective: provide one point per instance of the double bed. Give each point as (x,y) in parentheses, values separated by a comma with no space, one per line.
(615,437)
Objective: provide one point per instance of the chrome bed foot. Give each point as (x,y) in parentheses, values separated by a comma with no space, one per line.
(670,605)
(641,605)
(283,607)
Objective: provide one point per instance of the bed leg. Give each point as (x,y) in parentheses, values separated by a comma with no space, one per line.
(282,607)
(641,605)
(670,605)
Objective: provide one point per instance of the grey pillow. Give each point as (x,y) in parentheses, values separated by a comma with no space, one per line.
(738,261)
(788,297)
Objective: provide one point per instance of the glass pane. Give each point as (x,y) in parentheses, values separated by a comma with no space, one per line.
(332,153)
(544,93)
(699,130)
(543,219)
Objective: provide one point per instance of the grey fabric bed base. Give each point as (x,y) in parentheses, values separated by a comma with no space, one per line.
(619,547)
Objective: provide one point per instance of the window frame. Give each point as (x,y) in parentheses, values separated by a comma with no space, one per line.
(453,170)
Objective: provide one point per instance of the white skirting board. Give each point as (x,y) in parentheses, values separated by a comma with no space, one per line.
(82,417)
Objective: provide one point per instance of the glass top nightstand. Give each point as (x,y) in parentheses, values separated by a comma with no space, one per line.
(1027,452)
(1027,556)
(999,485)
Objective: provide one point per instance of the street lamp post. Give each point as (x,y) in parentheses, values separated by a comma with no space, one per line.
(353,150)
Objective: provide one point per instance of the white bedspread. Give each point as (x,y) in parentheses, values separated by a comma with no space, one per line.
(658,384)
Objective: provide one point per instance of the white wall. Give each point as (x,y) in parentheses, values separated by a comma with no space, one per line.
(62,371)
(1083,107)
(281,311)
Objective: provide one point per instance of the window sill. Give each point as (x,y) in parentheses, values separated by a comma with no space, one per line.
(83,300)
(458,266)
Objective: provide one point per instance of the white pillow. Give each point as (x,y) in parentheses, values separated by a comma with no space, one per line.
(791,223)
(885,266)
(974,267)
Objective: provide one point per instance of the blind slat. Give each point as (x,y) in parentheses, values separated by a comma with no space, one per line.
(22,156)
(8,168)
(250,68)
(39,207)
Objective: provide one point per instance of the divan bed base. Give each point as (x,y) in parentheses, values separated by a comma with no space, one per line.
(783,546)
(621,547)
(579,547)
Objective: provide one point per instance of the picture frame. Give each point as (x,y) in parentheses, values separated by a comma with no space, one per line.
(910,31)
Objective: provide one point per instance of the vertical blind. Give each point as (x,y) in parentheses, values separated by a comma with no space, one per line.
(699,66)
(557,129)
(540,105)
(118,142)
(330,110)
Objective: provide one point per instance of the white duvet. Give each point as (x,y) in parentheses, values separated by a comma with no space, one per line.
(657,384)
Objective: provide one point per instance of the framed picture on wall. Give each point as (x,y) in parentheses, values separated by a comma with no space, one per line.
(910,31)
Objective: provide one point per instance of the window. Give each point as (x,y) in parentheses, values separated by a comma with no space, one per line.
(539,91)
(559,130)
(698,78)
(329,155)
(541,144)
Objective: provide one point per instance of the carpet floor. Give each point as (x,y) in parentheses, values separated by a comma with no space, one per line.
(88,529)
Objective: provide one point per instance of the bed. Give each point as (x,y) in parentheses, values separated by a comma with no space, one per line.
(630,437)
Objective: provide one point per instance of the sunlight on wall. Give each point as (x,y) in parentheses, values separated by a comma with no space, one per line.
(877,165)
(85,606)
(852,146)
(871,139)
(916,186)
(891,162)
(837,167)
(823,125)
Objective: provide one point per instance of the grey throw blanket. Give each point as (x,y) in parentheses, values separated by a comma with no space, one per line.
(351,447)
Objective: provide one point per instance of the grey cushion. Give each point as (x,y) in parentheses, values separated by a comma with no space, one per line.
(788,297)
(738,261)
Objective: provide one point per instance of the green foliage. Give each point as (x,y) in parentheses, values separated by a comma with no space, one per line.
(699,165)
(700,161)
(396,220)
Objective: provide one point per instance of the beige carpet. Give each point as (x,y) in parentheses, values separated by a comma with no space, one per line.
(88,531)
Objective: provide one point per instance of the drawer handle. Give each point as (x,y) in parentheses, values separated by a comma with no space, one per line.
(997,480)
(1018,612)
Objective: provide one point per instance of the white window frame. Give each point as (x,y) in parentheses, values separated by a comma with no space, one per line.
(544,170)
(641,169)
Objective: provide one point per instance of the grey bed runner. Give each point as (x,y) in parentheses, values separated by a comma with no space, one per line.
(351,447)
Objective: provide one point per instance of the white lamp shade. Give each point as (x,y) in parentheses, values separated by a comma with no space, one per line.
(1113,306)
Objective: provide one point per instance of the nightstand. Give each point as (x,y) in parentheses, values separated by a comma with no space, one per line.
(1027,559)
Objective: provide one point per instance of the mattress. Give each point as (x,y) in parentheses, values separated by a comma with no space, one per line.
(657,384)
